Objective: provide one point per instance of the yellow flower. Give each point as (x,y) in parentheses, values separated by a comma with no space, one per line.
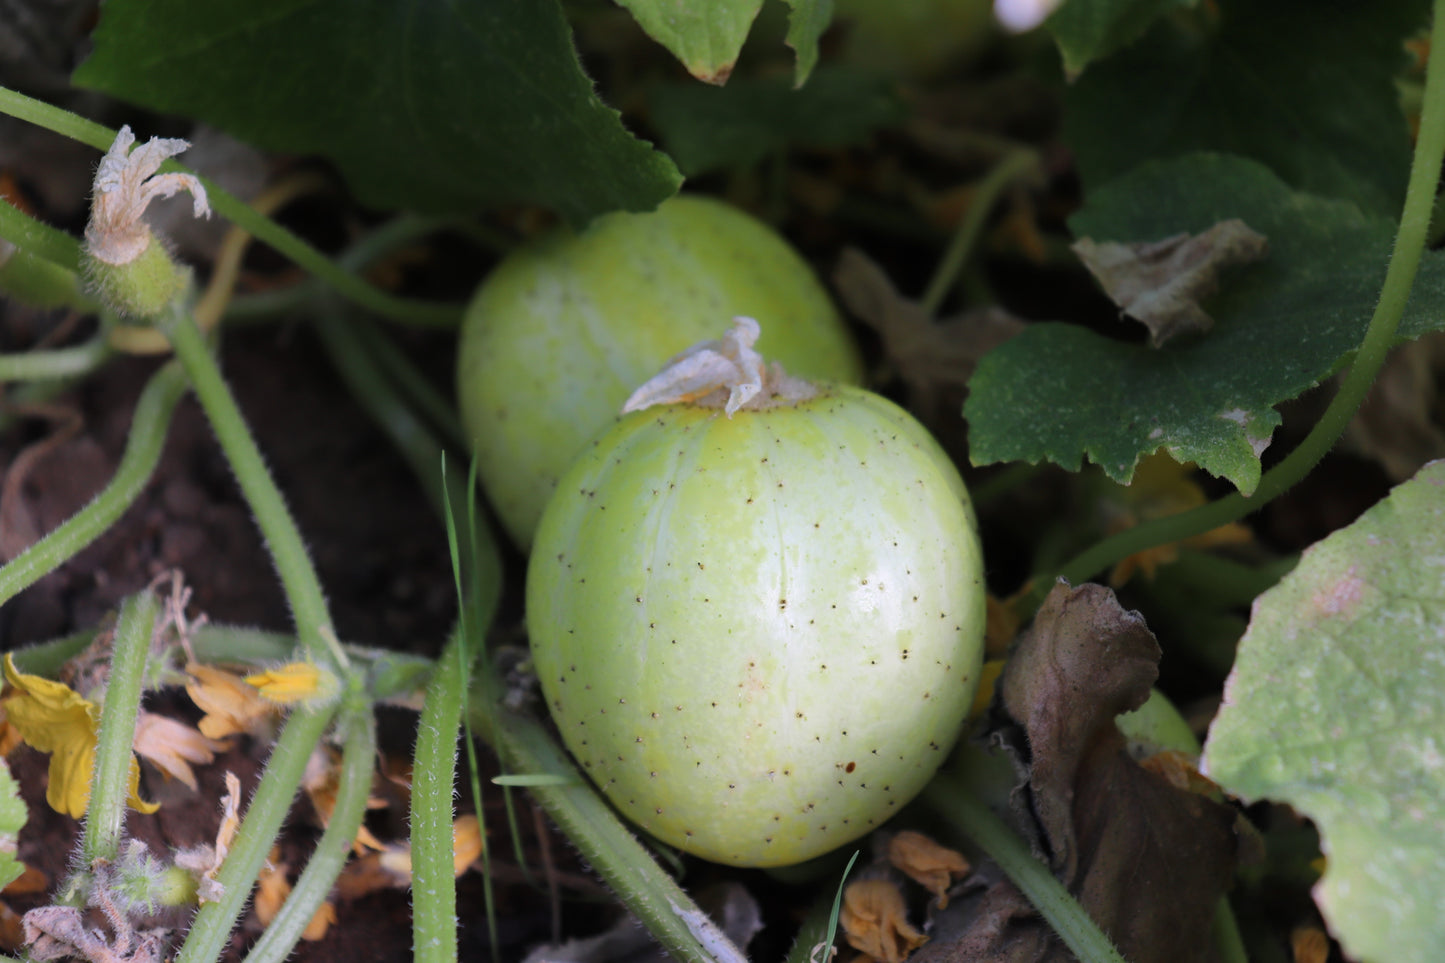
(294,682)
(54,718)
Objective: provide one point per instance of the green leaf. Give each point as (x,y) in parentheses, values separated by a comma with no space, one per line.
(437,107)
(806,23)
(708,128)
(706,37)
(1334,707)
(1252,84)
(1059,392)
(13,815)
(1089,30)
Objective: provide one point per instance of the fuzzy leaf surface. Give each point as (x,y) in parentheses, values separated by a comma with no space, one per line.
(1251,83)
(1060,393)
(449,107)
(1334,707)
(1087,30)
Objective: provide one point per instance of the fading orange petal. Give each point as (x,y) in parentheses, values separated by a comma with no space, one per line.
(876,921)
(927,863)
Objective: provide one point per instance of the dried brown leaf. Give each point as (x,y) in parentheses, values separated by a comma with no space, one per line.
(1160,283)
(1148,861)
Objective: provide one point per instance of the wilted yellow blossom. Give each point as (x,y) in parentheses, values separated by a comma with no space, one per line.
(54,718)
(231,706)
(876,921)
(932,866)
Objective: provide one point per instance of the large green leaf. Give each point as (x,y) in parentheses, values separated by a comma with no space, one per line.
(706,128)
(1087,30)
(442,107)
(1059,392)
(1302,86)
(1334,707)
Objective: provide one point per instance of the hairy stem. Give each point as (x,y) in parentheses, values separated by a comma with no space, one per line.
(607,845)
(143,449)
(110,784)
(211,928)
(316,880)
(288,551)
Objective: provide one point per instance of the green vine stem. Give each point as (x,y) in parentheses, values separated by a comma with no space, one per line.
(953,801)
(316,880)
(955,256)
(288,551)
(58,363)
(143,449)
(211,927)
(422,396)
(608,847)
(37,238)
(1379,338)
(110,784)
(406,310)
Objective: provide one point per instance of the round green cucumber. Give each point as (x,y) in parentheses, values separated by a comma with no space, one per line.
(759,635)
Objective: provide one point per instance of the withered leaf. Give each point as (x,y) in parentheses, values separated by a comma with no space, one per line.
(1147,860)
(1160,283)
(934,358)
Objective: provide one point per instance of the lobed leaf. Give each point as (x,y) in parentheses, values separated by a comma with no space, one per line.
(1334,707)
(1061,393)
(436,107)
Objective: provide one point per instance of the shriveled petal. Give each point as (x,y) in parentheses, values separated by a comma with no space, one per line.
(125,184)
(173,746)
(729,363)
